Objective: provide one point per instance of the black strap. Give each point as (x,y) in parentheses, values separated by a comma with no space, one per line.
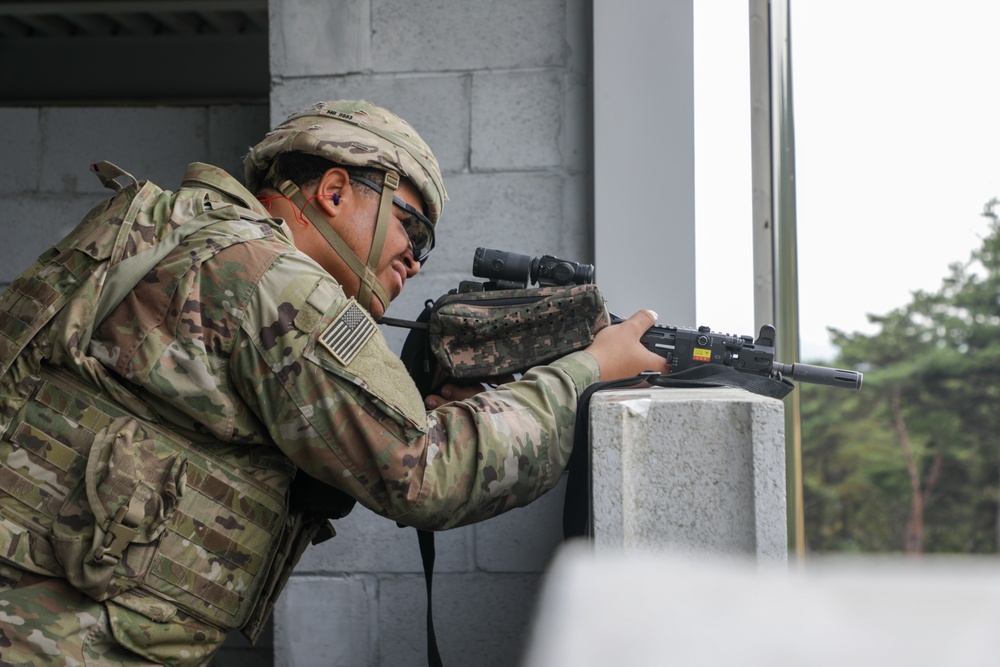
(426,540)
(577,519)
(717,375)
(418,359)
(416,354)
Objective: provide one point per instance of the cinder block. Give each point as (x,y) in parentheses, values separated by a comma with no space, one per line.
(32,224)
(436,106)
(524,539)
(291,95)
(471,35)
(366,542)
(576,136)
(20,142)
(578,219)
(519,212)
(319,37)
(717,484)
(479,620)
(232,130)
(656,609)
(153,144)
(324,621)
(517,119)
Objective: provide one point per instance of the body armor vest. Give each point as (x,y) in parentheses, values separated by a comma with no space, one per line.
(93,487)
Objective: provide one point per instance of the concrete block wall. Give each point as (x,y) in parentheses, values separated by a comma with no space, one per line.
(362,592)
(501,92)
(46,186)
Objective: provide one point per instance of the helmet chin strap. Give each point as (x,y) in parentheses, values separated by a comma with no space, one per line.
(370,287)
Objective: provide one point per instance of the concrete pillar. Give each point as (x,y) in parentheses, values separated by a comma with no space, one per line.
(643,180)
(688,565)
(688,568)
(689,470)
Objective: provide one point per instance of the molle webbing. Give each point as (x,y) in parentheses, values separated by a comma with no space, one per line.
(128,511)
(124,509)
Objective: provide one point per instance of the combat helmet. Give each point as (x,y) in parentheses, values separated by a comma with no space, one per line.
(360,134)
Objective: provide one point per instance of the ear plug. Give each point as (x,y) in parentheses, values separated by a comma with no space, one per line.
(336,199)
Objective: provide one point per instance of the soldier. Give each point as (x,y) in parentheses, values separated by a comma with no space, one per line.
(174,363)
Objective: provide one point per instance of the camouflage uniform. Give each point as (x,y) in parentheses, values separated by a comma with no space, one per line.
(238,341)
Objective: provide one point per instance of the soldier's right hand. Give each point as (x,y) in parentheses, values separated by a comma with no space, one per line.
(619,352)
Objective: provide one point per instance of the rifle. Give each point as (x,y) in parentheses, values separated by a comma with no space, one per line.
(690,352)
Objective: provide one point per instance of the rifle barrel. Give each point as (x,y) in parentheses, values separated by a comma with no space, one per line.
(831,377)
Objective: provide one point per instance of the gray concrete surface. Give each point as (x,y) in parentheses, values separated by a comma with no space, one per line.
(693,470)
(638,608)
(502,91)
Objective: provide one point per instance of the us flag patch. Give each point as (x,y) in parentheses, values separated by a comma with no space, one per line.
(348,333)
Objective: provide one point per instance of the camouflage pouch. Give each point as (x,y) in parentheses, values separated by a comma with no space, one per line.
(484,335)
(140,516)
(131,488)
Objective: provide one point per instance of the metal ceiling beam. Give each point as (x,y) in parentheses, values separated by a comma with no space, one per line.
(137,24)
(55,52)
(46,71)
(180,23)
(92,24)
(65,8)
(228,23)
(11,28)
(47,26)
(257,18)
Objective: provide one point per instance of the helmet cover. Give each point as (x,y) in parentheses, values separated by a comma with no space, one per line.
(352,133)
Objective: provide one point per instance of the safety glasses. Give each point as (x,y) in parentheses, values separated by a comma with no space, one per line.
(418,226)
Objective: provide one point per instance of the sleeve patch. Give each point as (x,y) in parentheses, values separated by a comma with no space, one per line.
(348,333)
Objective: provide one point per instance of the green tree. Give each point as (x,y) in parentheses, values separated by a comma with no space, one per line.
(912,462)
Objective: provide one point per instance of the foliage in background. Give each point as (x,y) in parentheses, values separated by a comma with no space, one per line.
(911,462)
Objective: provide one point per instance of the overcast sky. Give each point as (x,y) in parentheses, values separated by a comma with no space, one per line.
(897,141)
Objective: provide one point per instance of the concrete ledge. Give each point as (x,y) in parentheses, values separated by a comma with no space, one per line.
(691,470)
(655,609)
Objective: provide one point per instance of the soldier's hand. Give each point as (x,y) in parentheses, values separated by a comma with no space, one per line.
(451,391)
(619,352)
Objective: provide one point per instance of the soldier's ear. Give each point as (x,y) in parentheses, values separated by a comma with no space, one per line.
(334,187)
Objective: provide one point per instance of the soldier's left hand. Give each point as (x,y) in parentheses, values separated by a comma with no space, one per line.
(451,391)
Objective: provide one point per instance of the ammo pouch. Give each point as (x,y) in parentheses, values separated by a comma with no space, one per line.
(132,513)
(486,335)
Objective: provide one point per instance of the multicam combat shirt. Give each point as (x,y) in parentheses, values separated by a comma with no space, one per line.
(238,336)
